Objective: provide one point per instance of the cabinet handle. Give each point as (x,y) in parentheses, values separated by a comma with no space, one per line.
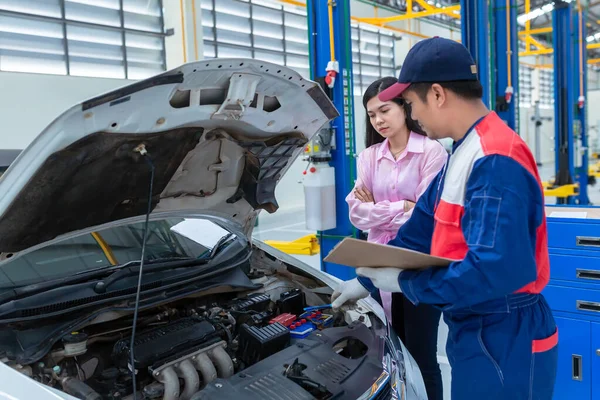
(587,241)
(588,274)
(588,306)
(577,376)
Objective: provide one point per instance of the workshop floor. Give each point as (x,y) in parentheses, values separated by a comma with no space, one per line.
(273,227)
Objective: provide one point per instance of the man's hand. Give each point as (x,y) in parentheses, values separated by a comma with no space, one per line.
(364,195)
(385,279)
(348,291)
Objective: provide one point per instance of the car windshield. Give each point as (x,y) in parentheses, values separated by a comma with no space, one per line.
(167,239)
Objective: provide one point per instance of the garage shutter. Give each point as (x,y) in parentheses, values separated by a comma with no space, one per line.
(373,55)
(104,38)
(267,30)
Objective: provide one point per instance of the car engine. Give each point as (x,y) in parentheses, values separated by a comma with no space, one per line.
(260,344)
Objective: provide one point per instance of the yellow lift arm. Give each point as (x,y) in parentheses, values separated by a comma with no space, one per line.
(306,246)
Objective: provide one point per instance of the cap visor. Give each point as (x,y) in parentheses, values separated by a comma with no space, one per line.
(393,91)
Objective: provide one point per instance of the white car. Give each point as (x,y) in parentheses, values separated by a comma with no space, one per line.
(174,170)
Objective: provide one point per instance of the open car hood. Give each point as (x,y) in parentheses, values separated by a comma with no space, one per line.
(220,134)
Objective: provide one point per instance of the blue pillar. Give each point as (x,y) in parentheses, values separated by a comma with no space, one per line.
(475,30)
(342,155)
(580,126)
(508,111)
(564,100)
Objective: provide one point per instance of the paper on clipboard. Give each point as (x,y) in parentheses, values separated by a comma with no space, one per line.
(360,253)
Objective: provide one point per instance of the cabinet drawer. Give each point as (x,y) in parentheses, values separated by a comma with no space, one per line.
(572,267)
(568,235)
(573,374)
(573,300)
(596,361)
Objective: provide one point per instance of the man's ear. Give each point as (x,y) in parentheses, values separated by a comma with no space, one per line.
(438,94)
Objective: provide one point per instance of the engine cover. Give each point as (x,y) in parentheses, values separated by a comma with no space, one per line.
(337,374)
(165,342)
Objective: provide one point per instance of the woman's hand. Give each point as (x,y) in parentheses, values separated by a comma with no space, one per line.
(408,205)
(364,195)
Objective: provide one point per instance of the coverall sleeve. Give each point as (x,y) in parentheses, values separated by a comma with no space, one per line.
(369,215)
(433,162)
(416,233)
(504,207)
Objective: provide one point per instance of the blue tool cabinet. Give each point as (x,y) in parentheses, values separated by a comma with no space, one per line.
(574,296)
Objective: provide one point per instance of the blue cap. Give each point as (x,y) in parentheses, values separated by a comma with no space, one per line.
(433,60)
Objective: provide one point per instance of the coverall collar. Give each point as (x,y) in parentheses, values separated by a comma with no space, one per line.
(455,145)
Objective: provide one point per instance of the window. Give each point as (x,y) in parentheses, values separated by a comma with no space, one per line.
(256,29)
(525,86)
(277,33)
(373,52)
(546,87)
(99,38)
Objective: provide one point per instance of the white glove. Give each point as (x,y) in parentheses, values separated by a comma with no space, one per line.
(348,291)
(385,279)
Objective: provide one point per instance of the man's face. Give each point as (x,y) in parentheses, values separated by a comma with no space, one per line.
(429,113)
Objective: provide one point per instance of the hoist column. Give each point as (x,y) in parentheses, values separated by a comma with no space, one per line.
(329,28)
(564,99)
(475,33)
(506,53)
(579,87)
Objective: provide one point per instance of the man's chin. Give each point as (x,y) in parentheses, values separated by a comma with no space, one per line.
(430,135)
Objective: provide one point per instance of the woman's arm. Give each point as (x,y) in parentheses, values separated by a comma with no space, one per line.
(368,214)
(435,157)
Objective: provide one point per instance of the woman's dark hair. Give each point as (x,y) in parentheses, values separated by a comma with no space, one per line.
(372,136)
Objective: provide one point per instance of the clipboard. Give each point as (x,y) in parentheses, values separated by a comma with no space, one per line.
(357,253)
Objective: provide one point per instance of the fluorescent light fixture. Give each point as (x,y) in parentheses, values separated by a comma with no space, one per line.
(537,12)
(591,38)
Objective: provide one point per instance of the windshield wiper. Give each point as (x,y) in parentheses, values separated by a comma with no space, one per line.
(221,244)
(152,265)
(102,285)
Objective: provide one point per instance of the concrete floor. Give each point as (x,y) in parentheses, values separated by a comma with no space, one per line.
(290,225)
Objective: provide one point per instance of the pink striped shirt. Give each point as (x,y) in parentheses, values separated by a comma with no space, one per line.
(392,182)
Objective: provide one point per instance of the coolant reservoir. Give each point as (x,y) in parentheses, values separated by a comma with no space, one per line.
(319,197)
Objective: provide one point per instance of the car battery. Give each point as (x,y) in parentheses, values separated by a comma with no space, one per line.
(301,329)
(319,319)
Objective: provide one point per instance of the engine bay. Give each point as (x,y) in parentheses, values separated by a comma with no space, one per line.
(256,344)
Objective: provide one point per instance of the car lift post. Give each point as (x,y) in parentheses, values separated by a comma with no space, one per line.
(569,104)
(563,97)
(579,87)
(506,62)
(343,151)
(474,23)
(497,62)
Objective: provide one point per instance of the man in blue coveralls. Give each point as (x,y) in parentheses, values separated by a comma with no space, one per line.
(485,210)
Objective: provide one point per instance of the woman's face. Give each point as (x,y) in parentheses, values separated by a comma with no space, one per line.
(388,118)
